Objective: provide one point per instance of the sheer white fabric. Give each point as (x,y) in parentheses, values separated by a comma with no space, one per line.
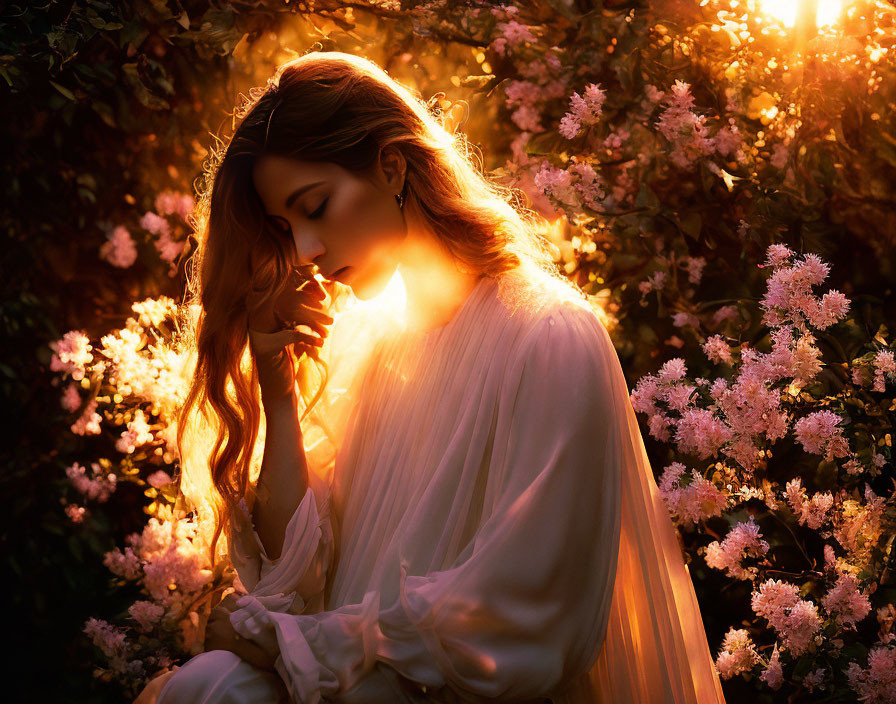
(481,524)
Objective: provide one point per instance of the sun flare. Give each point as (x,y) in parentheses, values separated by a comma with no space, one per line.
(786,11)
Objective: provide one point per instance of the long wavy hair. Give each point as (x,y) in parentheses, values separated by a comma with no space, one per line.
(328,107)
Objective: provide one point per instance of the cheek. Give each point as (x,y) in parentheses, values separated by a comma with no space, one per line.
(366,218)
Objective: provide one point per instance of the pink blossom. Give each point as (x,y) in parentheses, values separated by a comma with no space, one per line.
(557,183)
(701,433)
(594,98)
(772,675)
(678,397)
(71,354)
(146,613)
(527,118)
(75,513)
(780,155)
(89,421)
(159,479)
(884,362)
(819,433)
(97,487)
(672,370)
(845,602)
(777,254)
(643,395)
(744,540)
(658,425)
(124,564)
(155,224)
(108,638)
(789,299)
(138,433)
(696,501)
(876,683)
(738,654)
(684,129)
(569,127)
(119,248)
(801,626)
(811,512)
(654,94)
(695,268)
(724,313)
(717,350)
(794,619)
(728,139)
(71,398)
(168,248)
(814,679)
(685,319)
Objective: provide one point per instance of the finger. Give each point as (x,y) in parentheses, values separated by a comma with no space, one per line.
(313,289)
(303,338)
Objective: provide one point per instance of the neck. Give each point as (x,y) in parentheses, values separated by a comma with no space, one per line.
(436,287)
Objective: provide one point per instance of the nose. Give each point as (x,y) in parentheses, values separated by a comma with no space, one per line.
(309,248)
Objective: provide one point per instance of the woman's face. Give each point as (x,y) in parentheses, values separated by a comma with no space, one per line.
(348,225)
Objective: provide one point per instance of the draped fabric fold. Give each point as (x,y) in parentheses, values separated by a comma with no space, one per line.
(485,527)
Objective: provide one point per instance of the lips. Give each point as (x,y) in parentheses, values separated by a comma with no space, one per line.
(338,273)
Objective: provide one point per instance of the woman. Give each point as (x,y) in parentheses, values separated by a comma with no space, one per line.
(467,513)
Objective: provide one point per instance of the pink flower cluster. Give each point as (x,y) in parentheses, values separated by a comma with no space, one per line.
(738,654)
(577,186)
(789,297)
(174,563)
(876,683)
(98,488)
(71,398)
(882,367)
(88,423)
(146,613)
(772,675)
(585,110)
(696,501)
(687,131)
(109,639)
(169,202)
(138,433)
(717,350)
(795,620)
(811,512)
(119,249)
(513,33)
(845,602)
(71,354)
(820,434)
(742,541)
(156,223)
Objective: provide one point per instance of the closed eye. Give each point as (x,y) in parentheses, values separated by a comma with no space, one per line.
(317,213)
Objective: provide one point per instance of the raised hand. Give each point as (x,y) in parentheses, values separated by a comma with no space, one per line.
(276,323)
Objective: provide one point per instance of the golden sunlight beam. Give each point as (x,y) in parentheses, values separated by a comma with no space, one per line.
(827,12)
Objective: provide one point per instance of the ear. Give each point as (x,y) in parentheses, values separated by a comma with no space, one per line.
(392,167)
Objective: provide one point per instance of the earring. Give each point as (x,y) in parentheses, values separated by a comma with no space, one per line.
(400,198)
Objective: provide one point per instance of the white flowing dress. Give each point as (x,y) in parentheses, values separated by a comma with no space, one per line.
(481,525)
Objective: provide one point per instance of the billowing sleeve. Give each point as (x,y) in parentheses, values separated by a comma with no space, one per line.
(525,607)
(295,581)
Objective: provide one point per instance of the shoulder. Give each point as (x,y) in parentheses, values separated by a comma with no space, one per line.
(558,336)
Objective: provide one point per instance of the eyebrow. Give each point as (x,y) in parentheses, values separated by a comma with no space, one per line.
(299,191)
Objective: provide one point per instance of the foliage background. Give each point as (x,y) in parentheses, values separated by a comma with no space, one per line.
(111,103)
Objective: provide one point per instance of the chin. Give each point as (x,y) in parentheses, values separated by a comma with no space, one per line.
(367,287)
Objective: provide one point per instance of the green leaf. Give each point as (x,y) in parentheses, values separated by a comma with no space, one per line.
(62,89)
(691,224)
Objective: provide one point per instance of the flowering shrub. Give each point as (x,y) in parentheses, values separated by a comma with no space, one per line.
(669,144)
(728,426)
(134,379)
